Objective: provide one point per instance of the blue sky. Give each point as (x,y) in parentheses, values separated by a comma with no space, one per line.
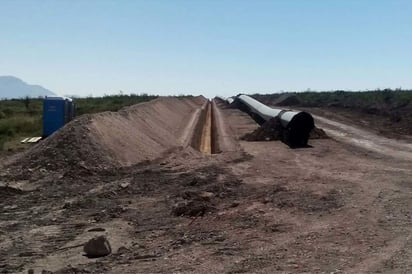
(207,47)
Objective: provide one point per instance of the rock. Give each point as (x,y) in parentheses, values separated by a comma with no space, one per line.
(10,207)
(206,195)
(235,204)
(123,250)
(97,247)
(97,229)
(191,208)
(30,271)
(179,208)
(124,185)
(67,205)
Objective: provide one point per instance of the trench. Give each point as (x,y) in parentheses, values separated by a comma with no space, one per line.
(204,135)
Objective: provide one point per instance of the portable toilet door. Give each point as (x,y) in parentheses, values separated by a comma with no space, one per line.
(56,113)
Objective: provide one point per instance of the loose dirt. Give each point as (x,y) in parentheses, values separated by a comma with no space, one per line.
(134,178)
(272,130)
(105,140)
(394,124)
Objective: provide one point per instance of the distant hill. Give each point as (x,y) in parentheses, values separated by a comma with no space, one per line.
(13,87)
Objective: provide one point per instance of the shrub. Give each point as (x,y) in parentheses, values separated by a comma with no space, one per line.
(8,112)
(6,129)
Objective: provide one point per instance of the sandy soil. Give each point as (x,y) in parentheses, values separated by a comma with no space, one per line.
(380,125)
(344,205)
(398,149)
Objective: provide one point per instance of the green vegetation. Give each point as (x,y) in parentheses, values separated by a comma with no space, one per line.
(109,103)
(21,118)
(380,100)
(392,98)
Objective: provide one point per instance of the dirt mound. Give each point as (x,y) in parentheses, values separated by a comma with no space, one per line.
(272,130)
(192,208)
(287,100)
(72,147)
(145,131)
(304,200)
(269,131)
(318,133)
(134,134)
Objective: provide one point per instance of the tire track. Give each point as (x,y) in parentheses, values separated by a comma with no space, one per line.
(365,139)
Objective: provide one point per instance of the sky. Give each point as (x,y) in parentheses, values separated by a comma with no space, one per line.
(209,47)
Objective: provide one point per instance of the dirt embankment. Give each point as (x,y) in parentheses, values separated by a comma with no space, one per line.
(132,135)
(145,131)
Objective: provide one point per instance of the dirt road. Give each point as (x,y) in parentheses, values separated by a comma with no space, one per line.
(397,149)
(340,206)
(349,194)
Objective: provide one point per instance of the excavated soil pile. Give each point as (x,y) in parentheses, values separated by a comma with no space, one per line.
(269,131)
(287,100)
(134,134)
(272,131)
(146,131)
(318,133)
(72,147)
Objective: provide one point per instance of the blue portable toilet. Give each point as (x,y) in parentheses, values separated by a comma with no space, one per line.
(57,111)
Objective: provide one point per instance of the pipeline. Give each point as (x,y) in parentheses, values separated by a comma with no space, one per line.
(296,125)
(228,100)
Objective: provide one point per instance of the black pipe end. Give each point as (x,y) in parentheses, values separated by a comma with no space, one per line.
(298,130)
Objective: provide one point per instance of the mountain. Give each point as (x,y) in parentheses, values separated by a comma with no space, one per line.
(13,87)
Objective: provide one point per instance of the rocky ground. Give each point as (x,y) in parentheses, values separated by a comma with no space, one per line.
(343,205)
